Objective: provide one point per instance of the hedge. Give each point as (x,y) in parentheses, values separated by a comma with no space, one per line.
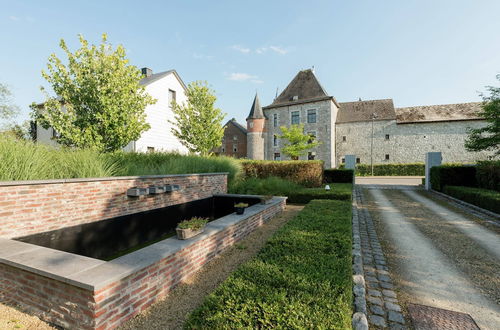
(301,279)
(487,199)
(339,191)
(452,175)
(306,173)
(488,175)
(333,175)
(410,169)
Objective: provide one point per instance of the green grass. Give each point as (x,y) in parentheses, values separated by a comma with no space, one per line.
(484,198)
(300,279)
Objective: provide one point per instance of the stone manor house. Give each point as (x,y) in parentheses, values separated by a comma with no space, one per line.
(398,135)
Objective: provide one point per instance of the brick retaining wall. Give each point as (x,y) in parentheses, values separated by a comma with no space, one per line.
(109,293)
(32,207)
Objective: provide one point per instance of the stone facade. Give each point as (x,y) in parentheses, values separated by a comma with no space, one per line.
(405,143)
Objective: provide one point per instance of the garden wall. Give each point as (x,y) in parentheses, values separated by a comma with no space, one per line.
(30,207)
(79,292)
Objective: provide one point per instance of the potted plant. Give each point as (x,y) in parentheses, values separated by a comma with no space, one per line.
(190,228)
(240,208)
(266,199)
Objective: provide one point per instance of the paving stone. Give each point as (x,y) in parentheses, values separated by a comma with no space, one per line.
(392,300)
(375,301)
(377,310)
(371,279)
(396,326)
(359,321)
(373,285)
(360,304)
(384,278)
(374,293)
(382,267)
(392,307)
(386,285)
(378,321)
(358,290)
(389,293)
(396,317)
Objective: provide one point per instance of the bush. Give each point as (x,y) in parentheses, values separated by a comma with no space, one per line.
(410,169)
(452,175)
(488,175)
(306,173)
(339,191)
(487,199)
(333,175)
(301,279)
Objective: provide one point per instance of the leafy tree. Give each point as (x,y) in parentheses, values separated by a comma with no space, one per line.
(298,142)
(487,137)
(8,111)
(100,103)
(198,124)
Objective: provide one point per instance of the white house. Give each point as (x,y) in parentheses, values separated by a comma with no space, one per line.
(164,87)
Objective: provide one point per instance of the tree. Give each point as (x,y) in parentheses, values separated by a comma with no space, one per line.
(99,102)
(8,110)
(298,142)
(487,137)
(198,124)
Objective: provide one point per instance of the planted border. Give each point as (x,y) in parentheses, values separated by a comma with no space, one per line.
(484,198)
(302,278)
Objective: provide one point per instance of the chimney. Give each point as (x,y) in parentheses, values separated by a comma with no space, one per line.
(147,72)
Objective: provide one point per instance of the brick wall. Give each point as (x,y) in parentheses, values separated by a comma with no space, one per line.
(109,306)
(32,207)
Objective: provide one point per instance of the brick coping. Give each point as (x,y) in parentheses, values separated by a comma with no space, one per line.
(112,178)
(93,274)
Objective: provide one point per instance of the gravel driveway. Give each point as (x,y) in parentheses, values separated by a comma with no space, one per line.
(438,255)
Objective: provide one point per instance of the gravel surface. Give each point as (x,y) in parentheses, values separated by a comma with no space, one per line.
(172,312)
(11,318)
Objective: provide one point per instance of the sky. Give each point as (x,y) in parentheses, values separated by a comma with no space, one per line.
(417,52)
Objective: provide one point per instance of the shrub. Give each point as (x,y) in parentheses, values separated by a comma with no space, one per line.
(410,169)
(306,173)
(488,175)
(333,175)
(301,279)
(339,191)
(487,199)
(194,223)
(452,175)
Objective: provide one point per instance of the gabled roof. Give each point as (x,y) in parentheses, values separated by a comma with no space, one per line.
(363,110)
(157,76)
(304,86)
(443,112)
(256,110)
(237,125)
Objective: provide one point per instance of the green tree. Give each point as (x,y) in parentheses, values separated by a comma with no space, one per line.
(8,110)
(487,137)
(298,142)
(198,124)
(99,102)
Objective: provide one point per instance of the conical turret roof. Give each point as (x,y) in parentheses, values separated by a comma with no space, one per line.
(256,110)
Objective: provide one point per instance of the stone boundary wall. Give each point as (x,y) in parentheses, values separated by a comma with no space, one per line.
(30,207)
(110,293)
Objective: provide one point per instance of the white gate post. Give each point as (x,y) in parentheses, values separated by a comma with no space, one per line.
(431,159)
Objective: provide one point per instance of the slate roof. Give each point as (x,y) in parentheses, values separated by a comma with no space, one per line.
(237,125)
(157,76)
(304,87)
(434,113)
(256,110)
(362,111)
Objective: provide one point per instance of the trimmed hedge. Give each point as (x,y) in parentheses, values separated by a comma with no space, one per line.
(488,175)
(410,169)
(487,199)
(340,191)
(333,175)
(301,279)
(453,175)
(308,173)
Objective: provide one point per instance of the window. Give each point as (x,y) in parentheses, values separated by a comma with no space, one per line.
(151,149)
(55,134)
(312,137)
(250,124)
(277,156)
(311,155)
(358,160)
(223,149)
(386,156)
(295,117)
(171,97)
(235,147)
(344,138)
(275,120)
(275,140)
(311,116)
(343,160)
(387,136)
(235,138)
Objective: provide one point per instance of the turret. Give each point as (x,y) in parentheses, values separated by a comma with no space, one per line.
(256,132)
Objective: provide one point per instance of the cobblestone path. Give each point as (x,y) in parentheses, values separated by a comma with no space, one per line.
(429,253)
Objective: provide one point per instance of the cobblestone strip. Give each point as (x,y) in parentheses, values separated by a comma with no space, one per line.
(381,308)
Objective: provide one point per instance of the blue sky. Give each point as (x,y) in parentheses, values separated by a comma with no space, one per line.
(417,52)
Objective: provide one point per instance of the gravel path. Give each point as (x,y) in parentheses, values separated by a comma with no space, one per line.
(11,318)
(435,259)
(172,312)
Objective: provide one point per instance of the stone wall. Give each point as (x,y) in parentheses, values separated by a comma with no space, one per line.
(84,293)
(406,143)
(30,207)
(326,113)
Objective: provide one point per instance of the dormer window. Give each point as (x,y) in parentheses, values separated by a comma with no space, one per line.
(295,98)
